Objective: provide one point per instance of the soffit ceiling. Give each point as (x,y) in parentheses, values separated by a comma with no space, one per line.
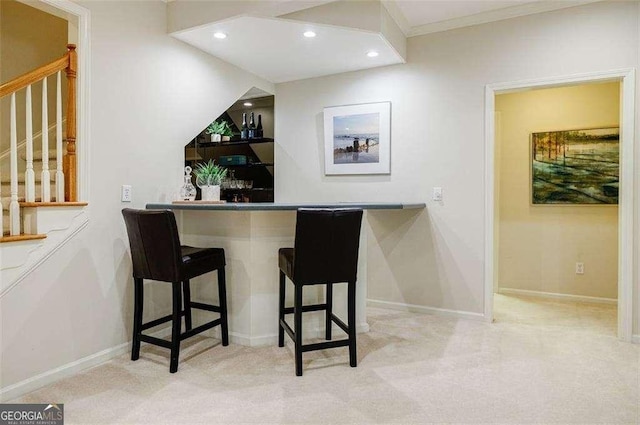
(274,48)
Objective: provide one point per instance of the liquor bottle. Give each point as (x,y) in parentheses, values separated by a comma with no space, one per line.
(259,132)
(252,128)
(244,132)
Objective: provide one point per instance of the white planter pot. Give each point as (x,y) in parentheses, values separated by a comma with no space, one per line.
(210,193)
(216,137)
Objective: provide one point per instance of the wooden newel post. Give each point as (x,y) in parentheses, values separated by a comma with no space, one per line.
(69,165)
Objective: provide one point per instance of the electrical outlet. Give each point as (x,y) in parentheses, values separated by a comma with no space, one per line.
(579,268)
(437,194)
(126,194)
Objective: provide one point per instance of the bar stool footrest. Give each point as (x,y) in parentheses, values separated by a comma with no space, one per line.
(155,341)
(325,345)
(320,345)
(288,329)
(340,323)
(306,308)
(156,322)
(208,307)
(200,329)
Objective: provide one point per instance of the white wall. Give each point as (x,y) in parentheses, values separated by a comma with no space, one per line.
(150,95)
(435,258)
(540,244)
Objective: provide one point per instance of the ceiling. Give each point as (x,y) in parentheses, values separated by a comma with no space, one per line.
(274,48)
(419,17)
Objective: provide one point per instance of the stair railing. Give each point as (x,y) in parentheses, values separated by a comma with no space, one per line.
(65,173)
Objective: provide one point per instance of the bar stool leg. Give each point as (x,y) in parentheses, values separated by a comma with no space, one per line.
(176,324)
(329,311)
(351,307)
(297,319)
(138,303)
(187,305)
(281,299)
(222,295)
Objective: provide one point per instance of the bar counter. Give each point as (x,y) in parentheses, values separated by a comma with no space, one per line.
(282,206)
(251,234)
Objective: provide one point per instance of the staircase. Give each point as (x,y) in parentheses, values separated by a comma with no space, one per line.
(38,185)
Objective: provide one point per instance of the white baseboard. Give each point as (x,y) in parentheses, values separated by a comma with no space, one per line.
(246,340)
(557,296)
(635,339)
(412,308)
(31,384)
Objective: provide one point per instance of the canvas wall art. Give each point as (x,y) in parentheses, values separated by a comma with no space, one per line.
(575,166)
(357,139)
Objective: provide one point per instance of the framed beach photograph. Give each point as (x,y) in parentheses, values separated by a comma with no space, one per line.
(357,139)
(575,167)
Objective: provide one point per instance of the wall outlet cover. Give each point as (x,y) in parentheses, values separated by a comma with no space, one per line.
(437,194)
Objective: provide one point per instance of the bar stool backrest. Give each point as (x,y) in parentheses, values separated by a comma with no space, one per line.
(326,245)
(155,244)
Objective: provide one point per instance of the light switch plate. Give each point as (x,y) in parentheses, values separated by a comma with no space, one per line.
(126,194)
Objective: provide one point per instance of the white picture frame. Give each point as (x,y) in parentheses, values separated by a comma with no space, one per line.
(357,139)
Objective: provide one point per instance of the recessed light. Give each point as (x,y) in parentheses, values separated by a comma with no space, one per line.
(248,104)
(220,35)
(372,53)
(309,34)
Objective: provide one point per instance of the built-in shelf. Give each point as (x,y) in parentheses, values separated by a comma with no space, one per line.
(236,142)
(253,164)
(253,189)
(247,160)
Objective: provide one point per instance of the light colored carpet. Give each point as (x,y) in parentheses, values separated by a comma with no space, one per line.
(541,362)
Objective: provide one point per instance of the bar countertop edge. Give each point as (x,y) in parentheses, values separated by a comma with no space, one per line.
(284,206)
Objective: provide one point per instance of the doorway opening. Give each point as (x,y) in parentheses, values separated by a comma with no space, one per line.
(553,231)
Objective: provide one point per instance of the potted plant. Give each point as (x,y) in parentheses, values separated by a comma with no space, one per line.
(219,131)
(208,178)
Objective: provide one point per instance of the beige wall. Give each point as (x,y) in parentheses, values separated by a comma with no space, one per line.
(435,258)
(25,43)
(29,38)
(539,245)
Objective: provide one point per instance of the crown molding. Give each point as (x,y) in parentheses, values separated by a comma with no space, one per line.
(496,15)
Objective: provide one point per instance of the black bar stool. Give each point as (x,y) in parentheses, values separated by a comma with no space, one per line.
(326,252)
(156,254)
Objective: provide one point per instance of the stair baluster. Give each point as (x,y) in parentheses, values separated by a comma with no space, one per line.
(59,153)
(45,183)
(29,174)
(14,207)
